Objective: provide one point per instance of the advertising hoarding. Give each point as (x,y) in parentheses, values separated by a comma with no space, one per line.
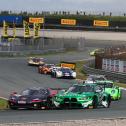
(36,20)
(101,23)
(11,19)
(68,21)
(36,30)
(26,29)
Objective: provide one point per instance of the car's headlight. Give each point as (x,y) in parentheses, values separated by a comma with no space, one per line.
(74,74)
(59,72)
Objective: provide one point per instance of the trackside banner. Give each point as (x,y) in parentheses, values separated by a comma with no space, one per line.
(36,30)
(68,21)
(101,23)
(36,20)
(5,28)
(68,64)
(26,29)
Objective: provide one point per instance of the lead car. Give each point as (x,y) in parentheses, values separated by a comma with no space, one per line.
(82,96)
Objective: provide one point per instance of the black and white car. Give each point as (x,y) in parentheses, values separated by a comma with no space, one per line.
(95,78)
(60,72)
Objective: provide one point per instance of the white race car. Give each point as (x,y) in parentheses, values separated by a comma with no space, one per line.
(65,72)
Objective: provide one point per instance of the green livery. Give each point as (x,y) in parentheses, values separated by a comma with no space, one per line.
(114,91)
(82,96)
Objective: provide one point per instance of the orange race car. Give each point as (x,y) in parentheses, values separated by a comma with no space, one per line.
(45,69)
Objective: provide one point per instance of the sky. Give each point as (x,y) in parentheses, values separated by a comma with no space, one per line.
(64,5)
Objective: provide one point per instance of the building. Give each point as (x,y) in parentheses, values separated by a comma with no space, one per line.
(112,59)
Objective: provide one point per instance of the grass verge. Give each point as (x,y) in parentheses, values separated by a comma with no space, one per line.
(3,104)
(79,70)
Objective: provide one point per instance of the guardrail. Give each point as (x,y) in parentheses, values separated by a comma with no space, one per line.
(116,76)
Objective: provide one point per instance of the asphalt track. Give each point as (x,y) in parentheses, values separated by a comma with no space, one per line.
(15,75)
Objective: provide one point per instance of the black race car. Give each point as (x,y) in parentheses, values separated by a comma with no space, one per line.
(32,98)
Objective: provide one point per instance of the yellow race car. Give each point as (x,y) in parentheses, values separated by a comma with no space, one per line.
(35,61)
(92,53)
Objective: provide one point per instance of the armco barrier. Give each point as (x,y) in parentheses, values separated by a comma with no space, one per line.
(116,76)
(88,122)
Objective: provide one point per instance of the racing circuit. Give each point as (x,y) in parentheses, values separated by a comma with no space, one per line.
(15,75)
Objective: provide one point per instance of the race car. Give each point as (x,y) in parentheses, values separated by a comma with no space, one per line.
(82,96)
(60,72)
(32,98)
(35,61)
(93,53)
(114,91)
(94,78)
(46,68)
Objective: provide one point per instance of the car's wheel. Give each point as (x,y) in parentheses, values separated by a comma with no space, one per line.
(120,96)
(95,102)
(52,75)
(13,108)
(109,101)
(106,101)
(49,103)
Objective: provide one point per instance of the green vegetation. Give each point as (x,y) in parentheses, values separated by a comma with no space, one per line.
(67,14)
(121,85)
(79,70)
(3,104)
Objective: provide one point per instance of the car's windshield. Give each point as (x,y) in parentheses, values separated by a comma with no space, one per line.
(64,69)
(49,65)
(93,78)
(109,85)
(35,92)
(81,89)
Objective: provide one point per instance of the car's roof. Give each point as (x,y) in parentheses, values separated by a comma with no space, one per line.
(35,88)
(84,84)
(36,58)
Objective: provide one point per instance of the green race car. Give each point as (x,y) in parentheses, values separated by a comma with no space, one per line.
(114,91)
(82,96)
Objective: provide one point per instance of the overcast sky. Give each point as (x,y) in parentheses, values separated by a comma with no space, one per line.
(67,5)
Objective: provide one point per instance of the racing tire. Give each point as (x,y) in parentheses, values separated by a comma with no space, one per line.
(109,101)
(13,108)
(49,103)
(94,103)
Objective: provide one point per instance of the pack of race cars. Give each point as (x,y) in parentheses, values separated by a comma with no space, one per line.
(95,91)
